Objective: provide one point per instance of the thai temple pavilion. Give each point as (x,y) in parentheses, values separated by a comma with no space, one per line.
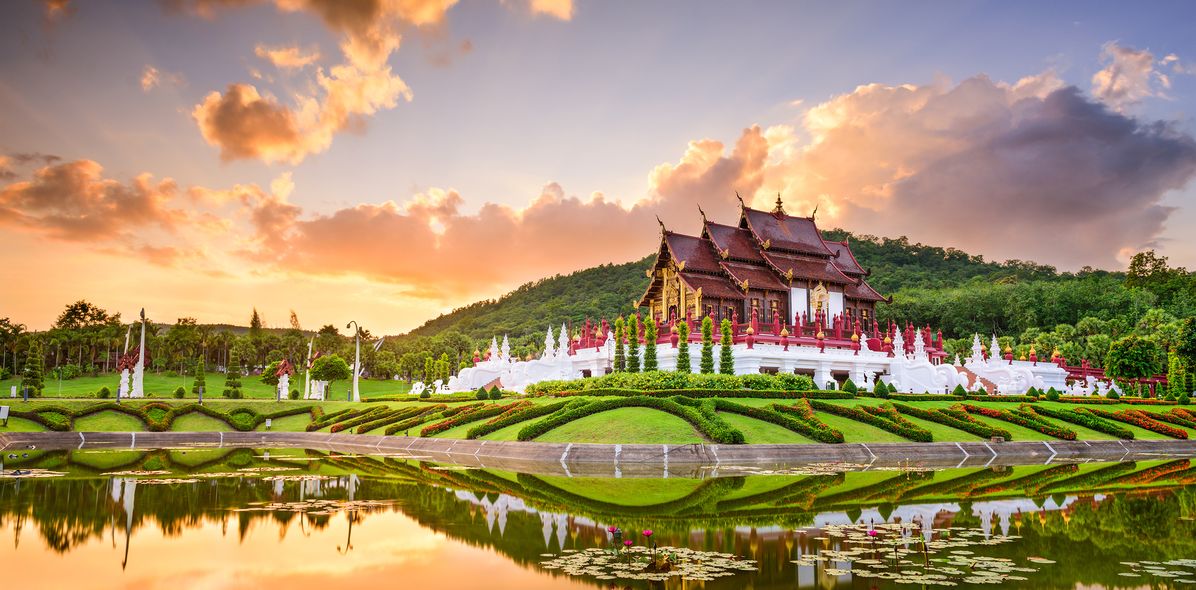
(771,263)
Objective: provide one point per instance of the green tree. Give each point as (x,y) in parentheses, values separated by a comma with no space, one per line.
(199,377)
(330,368)
(270,373)
(1175,375)
(1132,357)
(633,344)
(650,345)
(32,378)
(1185,346)
(232,378)
(620,355)
(683,365)
(707,362)
(726,358)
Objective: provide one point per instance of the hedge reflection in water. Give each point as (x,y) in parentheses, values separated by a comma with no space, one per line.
(1088,518)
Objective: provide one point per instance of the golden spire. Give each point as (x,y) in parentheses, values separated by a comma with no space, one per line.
(780,210)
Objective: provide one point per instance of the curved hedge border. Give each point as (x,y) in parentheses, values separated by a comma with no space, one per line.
(1094,401)
(430,413)
(1141,420)
(1174,418)
(371,415)
(887,489)
(157,416)
(885,419)
(709,393)
(397,415)
(470,416)
(805,423)
(515,416)
(1026,482)
(939,397)
(807,488)
(337,416)
(1023,419)
(1150,474)
(1086,481)
(959,421)
(1083,419)
(713,428)
(962,483)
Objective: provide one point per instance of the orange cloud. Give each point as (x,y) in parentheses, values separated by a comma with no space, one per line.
(562,9)
(289,57)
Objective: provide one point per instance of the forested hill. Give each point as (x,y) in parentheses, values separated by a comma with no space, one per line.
(940,286)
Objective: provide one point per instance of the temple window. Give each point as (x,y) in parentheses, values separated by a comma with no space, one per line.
(774,308)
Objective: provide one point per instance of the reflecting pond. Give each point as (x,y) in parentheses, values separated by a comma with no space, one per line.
(254,518)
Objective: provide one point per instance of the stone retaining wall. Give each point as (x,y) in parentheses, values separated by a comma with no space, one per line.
(631,460)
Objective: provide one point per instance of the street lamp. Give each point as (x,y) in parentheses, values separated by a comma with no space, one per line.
(356,358)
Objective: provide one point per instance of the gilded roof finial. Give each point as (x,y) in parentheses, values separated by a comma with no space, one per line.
(780,210)
(814,213)
(703,213)
(741,204)
(662,229)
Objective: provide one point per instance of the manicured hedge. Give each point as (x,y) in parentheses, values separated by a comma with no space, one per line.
(885,490)
(158,416)
(1086,481)
(713,428)
(430,413)
(1095,401)
(803,415)
(517,415)
(1026,482)
(473,415)
(370,415)
(708,393)
(958,420)
(1083,419)
(1141,420)
(957,484)
(397,415)
(1025,420)
(334,417)
(934,397)
(666,380)
(1150,474)
(885,419)
(796,421)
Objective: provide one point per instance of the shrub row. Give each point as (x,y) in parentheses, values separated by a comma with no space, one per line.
(707,393)
(1141,420)
(885,419)
(1149,401)
(1083,419)
(1095,401)
(430,413)
(935,397)
(796,421)
(958,420)
(158,416)
(350,421)
(665,380)
(1086,481)
(806,489)
(1024,419)
(1173,419)
(957,484)
(337,416)
(1026,482)
(517,415)
(713,428)
(1153,473)
(474,415)
(803,415)
(887,489)
(397,415)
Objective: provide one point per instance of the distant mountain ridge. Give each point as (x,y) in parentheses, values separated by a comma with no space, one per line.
(608,290)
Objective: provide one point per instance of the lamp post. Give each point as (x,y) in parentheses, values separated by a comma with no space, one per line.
(356,357)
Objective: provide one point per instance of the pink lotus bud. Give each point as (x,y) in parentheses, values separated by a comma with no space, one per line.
(628,542)
(872,533)
(647,532)
(611,529)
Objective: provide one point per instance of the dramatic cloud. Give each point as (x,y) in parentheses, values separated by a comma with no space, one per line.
(562,9)
(1129,76)
(246,125)
(73,201)
(1031,171)
(288,58)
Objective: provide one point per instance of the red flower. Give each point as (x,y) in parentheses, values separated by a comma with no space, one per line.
(611,529)
(647,532)
(628,542)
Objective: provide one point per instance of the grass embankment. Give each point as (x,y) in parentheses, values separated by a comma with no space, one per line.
(625,425)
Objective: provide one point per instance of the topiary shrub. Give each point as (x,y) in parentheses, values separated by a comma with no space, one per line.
(792,382)
(482,394)
(758,381)
(960,391)
(1184,399)
(425,394)
(849,387)
(179,392)
(1053,395)
(294,394)
(496,394)
(1112,395)
(104,393)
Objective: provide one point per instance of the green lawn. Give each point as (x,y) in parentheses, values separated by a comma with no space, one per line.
(758,432)
(22,425)
(626,426)
(196,422)
(109,421)
(637,491)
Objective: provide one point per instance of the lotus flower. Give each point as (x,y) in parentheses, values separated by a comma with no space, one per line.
(628,542)
(872,533)
(611,529)
(647,532)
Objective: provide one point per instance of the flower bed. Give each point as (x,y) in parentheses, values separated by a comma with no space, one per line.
(1088,480)
(799,418)
(1153,473)
(1023,419)
(884,418)
(1141,420)
(711,427)
(1094,401)
(1175,418)
(939,397)
(1083,419)
(958,420)
(430,413)
(477,413)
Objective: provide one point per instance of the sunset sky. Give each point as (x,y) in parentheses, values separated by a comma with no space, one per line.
(387,160)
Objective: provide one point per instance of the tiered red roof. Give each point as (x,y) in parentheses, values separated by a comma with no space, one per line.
(768,250)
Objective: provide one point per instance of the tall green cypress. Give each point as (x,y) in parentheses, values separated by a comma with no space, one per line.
(650,345)
(199,377)
(1175,375)
(726,360)
(620,357)
(33,377)
(683,365)
(707,364)
(232,378)
(633,344)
